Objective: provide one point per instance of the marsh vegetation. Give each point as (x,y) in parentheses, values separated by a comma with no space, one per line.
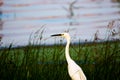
(99,61)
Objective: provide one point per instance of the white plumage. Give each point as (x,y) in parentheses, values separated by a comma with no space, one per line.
(74,70)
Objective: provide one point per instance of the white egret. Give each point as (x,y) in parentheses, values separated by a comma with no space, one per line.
(74,70)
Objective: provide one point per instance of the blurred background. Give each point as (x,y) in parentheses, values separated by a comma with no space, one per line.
(85,20)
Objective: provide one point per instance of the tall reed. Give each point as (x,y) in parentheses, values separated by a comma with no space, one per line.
(99,61)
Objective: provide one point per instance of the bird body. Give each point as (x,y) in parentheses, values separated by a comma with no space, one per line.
(74,70)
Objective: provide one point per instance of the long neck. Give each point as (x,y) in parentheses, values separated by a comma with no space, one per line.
(68,58)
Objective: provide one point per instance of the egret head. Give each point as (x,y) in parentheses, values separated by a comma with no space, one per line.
(64,35)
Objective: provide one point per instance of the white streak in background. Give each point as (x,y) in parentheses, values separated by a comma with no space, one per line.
(21,18)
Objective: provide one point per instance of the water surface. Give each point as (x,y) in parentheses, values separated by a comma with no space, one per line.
(20,18)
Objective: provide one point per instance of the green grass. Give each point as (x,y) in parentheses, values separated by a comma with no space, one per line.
(99,61)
